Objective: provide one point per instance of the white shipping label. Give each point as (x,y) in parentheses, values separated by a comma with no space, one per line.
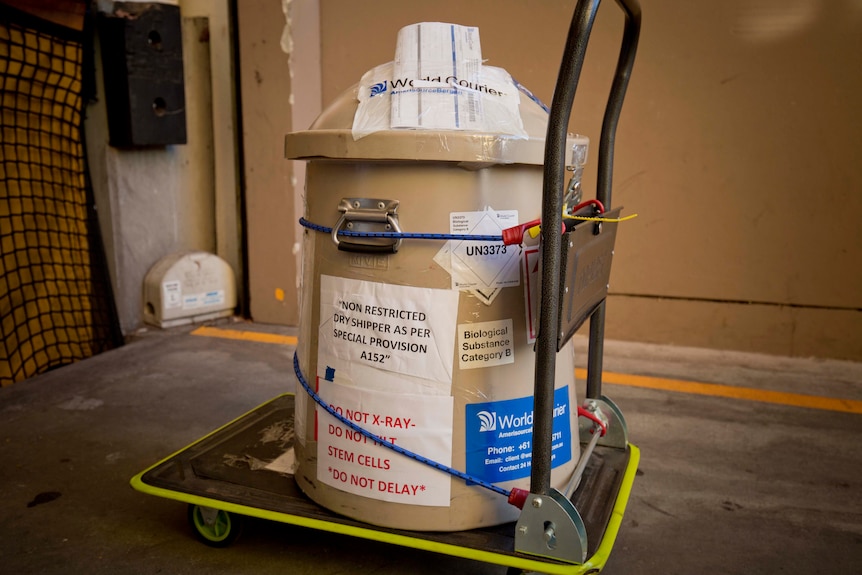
(481,265)
(491,104)
(401,329)
(485,344)
(432,61)
(351,462)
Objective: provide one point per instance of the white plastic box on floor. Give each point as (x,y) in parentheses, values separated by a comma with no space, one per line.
(189,287)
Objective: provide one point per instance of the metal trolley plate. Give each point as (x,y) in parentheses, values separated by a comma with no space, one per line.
(587,253)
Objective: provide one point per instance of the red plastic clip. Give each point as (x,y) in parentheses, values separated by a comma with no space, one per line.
(515,234)
(518,497)
(594,418)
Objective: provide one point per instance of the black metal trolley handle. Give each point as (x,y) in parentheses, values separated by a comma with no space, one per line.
(552,207)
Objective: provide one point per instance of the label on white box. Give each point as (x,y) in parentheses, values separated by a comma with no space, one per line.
(172,294)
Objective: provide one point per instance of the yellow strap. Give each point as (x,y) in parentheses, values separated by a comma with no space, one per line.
(589,219)
(535,230)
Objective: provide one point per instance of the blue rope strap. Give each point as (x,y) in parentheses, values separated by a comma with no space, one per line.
(400,235)
(396,448)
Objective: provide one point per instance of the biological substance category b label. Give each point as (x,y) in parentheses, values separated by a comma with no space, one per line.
(485,344)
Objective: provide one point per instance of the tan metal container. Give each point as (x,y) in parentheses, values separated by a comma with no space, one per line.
(399,345)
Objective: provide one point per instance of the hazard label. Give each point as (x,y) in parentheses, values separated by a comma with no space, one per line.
(481,267)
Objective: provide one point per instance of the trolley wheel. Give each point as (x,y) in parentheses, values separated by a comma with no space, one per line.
(214,527)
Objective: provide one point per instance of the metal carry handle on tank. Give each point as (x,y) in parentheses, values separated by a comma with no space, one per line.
(545,503)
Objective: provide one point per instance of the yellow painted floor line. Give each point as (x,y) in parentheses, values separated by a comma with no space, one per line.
(644,381)
(245,335)
(730,391)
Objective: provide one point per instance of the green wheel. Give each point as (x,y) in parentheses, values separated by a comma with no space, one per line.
(214,527)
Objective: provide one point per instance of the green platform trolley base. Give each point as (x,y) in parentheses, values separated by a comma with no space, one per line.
(215,477)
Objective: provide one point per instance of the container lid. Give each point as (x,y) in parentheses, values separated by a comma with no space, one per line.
(331,136)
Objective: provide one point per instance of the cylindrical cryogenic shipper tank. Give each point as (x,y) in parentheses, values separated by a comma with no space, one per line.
(430,347)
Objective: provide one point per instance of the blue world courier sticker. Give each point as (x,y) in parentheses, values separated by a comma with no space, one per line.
(499,437)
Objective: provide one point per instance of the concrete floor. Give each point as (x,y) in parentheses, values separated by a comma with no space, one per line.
(725,485)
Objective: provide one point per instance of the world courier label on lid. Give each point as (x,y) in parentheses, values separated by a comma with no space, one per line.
(437,82)
(499,437)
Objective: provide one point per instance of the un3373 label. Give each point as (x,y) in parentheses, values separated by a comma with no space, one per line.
(485,250)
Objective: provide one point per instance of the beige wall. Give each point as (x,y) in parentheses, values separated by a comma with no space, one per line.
(279,49)
(737,147)
(266,87)
(224,156)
